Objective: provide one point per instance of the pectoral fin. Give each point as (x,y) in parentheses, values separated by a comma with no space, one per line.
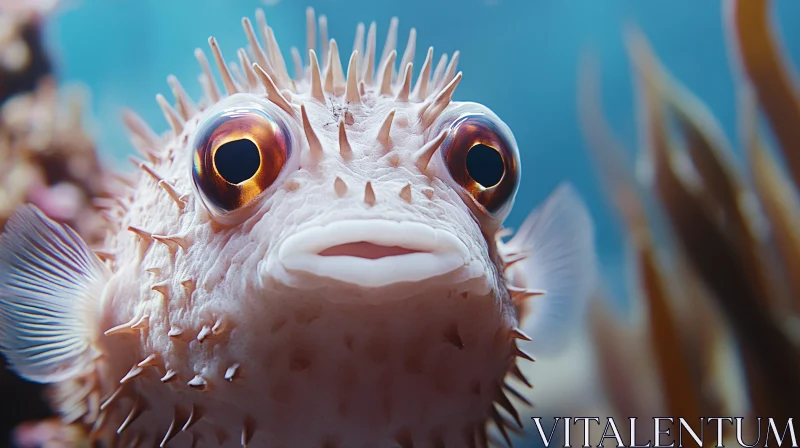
(50,287)
(557,240)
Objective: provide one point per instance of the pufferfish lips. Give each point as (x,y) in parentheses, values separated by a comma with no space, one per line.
(374,252)
(245,148)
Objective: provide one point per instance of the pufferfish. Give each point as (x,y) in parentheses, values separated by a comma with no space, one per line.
(307,261)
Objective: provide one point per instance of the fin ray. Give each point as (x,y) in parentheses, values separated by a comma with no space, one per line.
(50,284)
(558,239)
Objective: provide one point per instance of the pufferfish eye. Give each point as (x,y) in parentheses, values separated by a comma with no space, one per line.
(238,154)
(481,156)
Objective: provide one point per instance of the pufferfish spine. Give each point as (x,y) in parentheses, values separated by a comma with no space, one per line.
(349,286)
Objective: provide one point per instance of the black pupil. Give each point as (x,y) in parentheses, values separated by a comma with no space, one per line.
(237,161)
(485,165)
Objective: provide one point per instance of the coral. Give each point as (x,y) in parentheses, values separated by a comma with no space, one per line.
(23,59)
(47,158)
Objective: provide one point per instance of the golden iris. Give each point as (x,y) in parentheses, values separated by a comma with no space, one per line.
(238,156)
(482,160)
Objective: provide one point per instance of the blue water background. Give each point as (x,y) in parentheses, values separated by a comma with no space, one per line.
(519,57)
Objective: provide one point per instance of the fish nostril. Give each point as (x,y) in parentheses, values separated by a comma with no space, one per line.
(363,249)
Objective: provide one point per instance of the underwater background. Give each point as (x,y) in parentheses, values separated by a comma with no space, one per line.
(699,311)
(519,57)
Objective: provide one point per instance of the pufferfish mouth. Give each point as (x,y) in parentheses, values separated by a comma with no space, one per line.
(373,252)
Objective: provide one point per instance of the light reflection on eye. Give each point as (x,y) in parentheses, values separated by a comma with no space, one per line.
(482,160)
(238,154)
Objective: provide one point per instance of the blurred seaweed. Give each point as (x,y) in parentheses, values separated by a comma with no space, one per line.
(715,238)
(48,158)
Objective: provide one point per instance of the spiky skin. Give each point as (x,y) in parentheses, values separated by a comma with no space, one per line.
(202,342)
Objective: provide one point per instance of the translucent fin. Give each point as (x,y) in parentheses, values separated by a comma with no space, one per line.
(558,240)
(50,285)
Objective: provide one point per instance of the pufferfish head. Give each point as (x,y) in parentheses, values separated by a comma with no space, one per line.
(362,187)
(333,223)
(370,195)
(302,261)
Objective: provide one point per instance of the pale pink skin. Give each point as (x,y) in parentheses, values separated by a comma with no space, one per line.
(254,329)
